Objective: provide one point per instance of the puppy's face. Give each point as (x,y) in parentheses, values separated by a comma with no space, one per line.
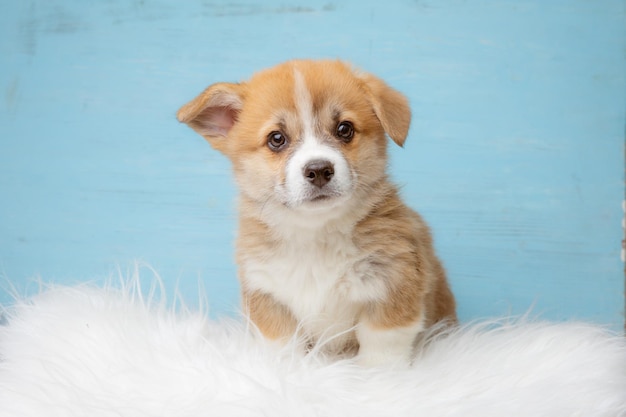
(305,135)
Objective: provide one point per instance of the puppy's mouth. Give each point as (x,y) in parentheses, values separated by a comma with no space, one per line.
(321,198)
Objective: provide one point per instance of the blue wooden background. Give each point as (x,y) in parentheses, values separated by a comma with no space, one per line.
(515,155)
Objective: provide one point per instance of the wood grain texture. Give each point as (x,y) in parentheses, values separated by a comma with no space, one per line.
(515,156)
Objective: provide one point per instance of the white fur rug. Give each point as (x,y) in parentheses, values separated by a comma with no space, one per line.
(104,352)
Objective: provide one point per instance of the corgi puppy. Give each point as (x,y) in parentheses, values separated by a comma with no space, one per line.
(326,248)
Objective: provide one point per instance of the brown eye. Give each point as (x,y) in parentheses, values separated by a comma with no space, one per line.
(345,131)
(276,141)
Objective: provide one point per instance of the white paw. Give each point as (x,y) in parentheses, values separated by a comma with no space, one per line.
(386,347)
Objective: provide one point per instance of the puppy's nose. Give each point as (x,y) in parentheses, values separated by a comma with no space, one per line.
(319,172)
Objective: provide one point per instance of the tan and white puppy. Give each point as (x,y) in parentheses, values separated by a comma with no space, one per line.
(325,247)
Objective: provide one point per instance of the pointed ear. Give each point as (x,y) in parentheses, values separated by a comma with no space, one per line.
(214,112)
(391,108)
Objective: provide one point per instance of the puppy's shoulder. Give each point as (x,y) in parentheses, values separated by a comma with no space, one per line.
(254,239)
(391,217)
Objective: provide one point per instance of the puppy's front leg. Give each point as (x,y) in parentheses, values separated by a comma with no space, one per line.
(387,329)
(272,318)
(386,345)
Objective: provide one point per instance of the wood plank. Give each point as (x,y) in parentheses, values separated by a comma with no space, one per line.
(515,155)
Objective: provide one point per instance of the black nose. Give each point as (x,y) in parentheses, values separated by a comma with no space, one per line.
(319,172)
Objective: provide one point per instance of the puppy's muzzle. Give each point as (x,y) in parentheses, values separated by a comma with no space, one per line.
(319,172)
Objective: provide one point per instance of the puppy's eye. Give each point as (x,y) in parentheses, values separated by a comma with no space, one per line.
(345,131)
(276,141)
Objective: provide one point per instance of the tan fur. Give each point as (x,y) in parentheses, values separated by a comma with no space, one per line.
(416,277)
(271,317)
(390,241)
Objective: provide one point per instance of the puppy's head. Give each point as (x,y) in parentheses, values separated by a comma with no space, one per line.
(305,135)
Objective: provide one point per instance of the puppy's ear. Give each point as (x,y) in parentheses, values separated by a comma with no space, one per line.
(214,112)
(391,108)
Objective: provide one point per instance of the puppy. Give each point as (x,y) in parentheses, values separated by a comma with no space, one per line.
(326,247)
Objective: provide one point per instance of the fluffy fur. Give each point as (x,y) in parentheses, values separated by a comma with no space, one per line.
(105,352)
(326,247)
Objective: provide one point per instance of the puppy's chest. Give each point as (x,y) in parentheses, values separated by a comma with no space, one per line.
(321,279)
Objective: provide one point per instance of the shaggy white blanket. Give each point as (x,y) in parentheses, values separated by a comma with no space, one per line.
(105,352)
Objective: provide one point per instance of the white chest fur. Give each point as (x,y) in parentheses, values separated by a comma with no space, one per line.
(323,278)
